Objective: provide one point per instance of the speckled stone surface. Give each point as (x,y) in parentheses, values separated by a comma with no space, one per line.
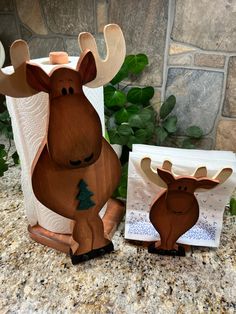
(34,278)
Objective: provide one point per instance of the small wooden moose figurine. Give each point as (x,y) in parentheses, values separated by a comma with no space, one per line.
(75,170)
(175,209)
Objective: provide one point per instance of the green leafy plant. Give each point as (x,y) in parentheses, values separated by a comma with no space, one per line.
(232,206)
(131,118)
(6,159)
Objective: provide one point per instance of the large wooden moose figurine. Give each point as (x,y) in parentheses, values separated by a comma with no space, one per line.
(75,171)
(175,209)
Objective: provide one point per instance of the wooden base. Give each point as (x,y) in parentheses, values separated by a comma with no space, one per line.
(146,244)
(57,241)
(62,242)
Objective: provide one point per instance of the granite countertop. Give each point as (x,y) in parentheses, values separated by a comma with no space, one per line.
(35,278)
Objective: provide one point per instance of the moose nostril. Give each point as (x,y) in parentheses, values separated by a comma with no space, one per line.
(185,188)
(75,163)
(64,91)
(179,187)
(71,90)
(87,159)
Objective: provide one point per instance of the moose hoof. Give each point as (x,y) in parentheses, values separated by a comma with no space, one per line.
(77,259)
(154,250)
(104,250)
(180,252)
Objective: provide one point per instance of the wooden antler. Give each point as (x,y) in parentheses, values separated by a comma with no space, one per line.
(15,84)
(115,45)
(153,175)
(221,176)
(200,172)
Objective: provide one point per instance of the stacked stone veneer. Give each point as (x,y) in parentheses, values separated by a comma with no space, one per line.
(191,47)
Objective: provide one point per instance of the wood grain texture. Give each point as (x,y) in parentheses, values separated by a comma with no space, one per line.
(116,50)
(77,171)
(29,121)
(15,84)
(63,242)
(175,209)
(57,187)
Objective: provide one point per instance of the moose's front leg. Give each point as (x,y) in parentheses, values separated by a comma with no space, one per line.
(101,245)
(88,235)
(81,248)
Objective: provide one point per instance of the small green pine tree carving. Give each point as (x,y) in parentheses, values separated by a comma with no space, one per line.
(84,196)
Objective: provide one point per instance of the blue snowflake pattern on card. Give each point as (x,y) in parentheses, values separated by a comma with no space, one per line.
(138,223)
(201,231)
(142,228)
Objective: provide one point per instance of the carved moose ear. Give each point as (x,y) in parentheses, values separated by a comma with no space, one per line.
(37,78)
(207,184)
(166,176)
(87,67)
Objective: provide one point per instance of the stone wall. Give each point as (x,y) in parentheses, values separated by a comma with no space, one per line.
(191,47)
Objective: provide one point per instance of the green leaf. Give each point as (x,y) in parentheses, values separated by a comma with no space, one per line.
(3,152)
(147,115)
(124,114)
(167,106)
(122,188)
(15,158)
(107,136)
(170,124)
(161,135)
(141,135)
(125,130)
(137,95)
(232,206)
(3,167)
(194,131)
(4,116)
(3,163)
(136,63)
(135,121)
(5,124)
(150,129)
(121,116)
(132,140)
(122,74)
(116,138)
(187,143)
(113,97)
(132,109)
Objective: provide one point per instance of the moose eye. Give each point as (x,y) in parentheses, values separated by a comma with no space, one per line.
(71,90)
(64,91)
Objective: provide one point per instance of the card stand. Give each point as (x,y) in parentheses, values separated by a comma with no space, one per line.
(150,245)
(175,209)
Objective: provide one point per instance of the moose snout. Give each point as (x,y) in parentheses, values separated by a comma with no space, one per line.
(179,202)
